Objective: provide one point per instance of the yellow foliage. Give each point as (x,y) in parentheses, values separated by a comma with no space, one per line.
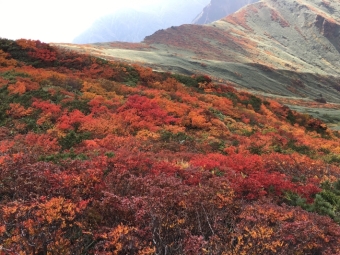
(146,134)
(88,95)
(258,241)
(99,126)
(112,238)
(174,129)
(197,120)
(95,88)
(56,132)
(57,209)
(147,251)
(183,164)
(225,199)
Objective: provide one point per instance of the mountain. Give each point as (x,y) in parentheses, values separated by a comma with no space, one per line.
(107,157)
(132,25)
(285,49)
(218,9)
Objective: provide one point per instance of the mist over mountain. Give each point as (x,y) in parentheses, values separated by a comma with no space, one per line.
(132,25)
(218,9)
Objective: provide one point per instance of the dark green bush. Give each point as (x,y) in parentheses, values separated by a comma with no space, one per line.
(72,139)
(57,158)
(186,80)
(78,104)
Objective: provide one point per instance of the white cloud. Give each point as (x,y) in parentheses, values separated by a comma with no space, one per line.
(56,21)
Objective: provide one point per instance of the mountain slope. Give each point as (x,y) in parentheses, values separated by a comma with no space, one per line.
(132,25)
(288,48)
(105,157)
(218,9)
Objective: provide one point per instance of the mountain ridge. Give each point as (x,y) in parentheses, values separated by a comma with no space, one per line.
(286,48)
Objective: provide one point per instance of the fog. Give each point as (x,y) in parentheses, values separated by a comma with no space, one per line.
(63,20)
(131,24)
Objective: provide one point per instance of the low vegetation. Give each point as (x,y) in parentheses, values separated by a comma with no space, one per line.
(101,157)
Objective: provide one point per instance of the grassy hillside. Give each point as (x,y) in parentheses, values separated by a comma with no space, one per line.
(102,157)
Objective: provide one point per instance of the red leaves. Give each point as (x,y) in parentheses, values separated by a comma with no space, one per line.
(69,121)
(18,111)
(141,112)
(45,55)
(45,142)
(259,184)
(170,169)
(250,176)
(47,107)
(96,70)
(5,145)
(38,50)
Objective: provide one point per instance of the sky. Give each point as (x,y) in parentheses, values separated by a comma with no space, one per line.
(56,20)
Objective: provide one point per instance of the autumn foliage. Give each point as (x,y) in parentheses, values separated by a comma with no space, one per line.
(101,157)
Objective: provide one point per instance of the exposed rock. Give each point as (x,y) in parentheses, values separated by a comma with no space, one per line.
(218,9)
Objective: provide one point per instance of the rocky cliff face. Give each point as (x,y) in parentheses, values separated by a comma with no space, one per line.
(218,9)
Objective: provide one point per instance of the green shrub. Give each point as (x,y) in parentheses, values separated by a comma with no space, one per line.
(302,149)
(291,117)
(131,76)
(110,154)
(57,158)
(255,103)
(326,202)
(72,139)
(11,75)
(186,80)
(217,113)
(232,96)
(78,104)
(180,137)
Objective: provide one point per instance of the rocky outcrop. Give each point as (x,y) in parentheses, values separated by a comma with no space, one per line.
(218,9)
